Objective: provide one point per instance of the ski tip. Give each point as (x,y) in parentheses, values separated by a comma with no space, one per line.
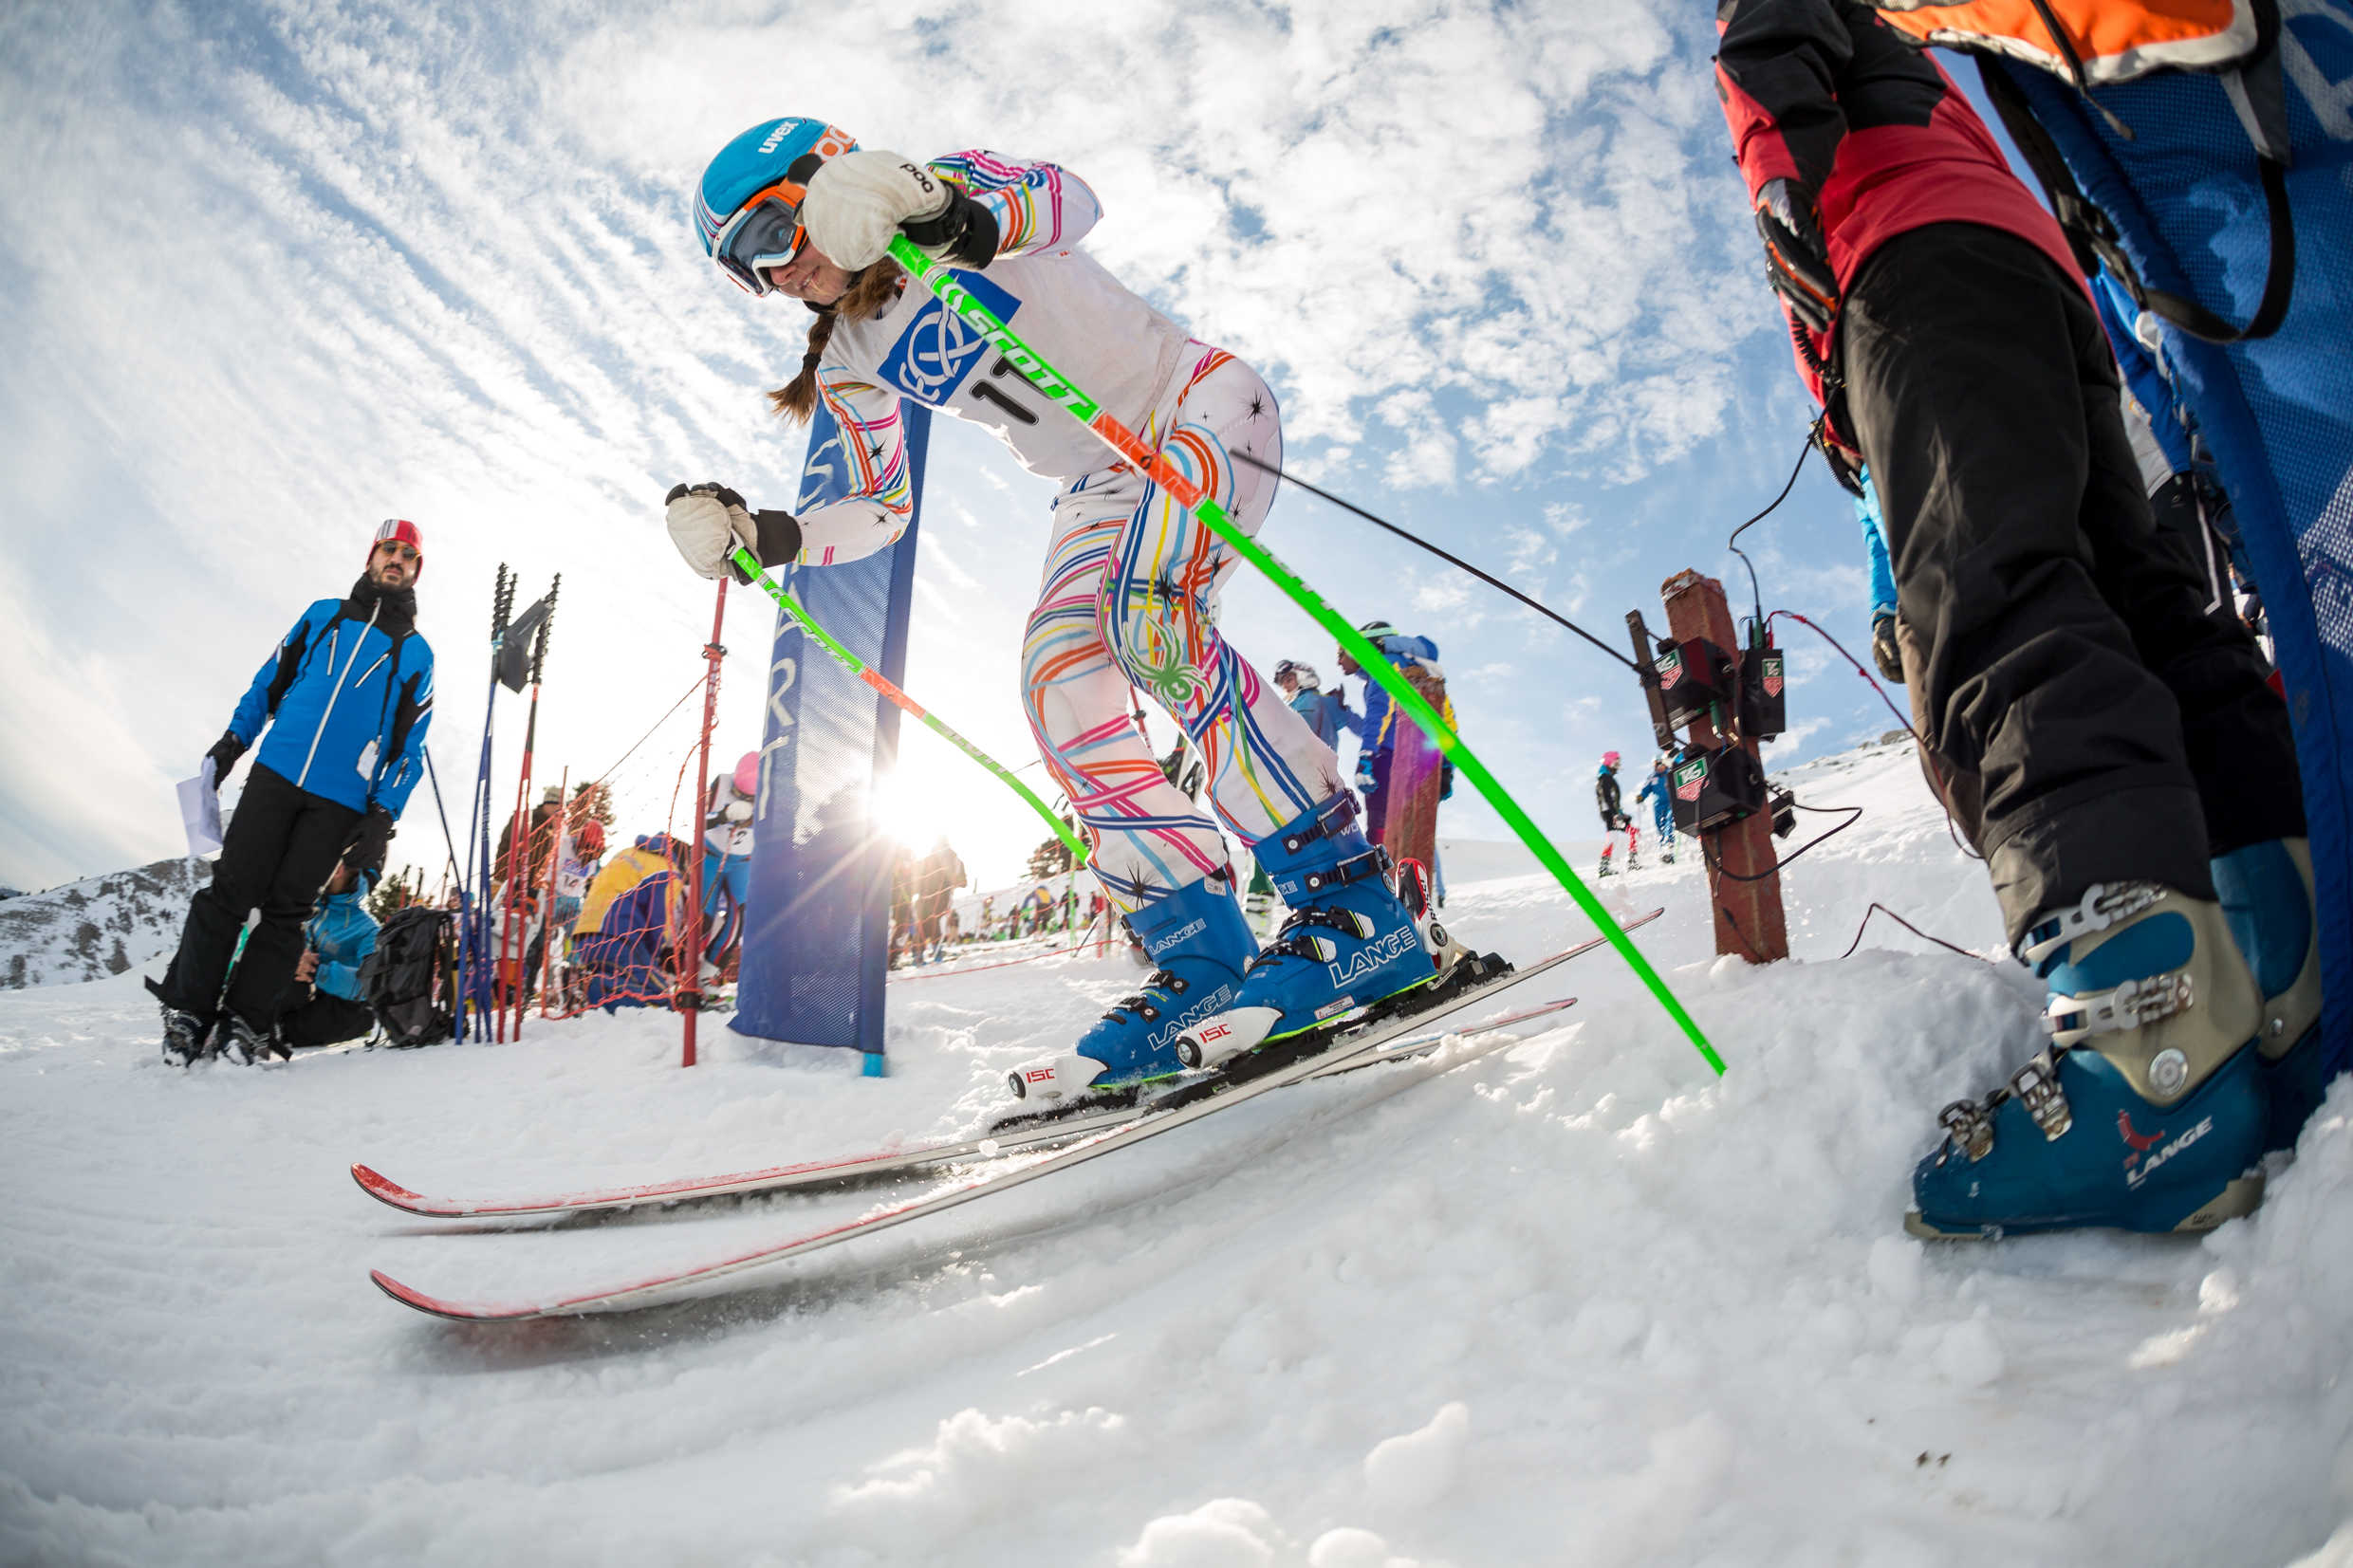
(458,1312)
(383,1190)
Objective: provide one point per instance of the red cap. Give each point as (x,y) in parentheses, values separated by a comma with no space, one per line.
(406,532)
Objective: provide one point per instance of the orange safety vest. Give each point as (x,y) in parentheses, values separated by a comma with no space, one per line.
(2106,41)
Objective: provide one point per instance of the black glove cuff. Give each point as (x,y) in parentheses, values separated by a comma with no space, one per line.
(966,233)
(780,539)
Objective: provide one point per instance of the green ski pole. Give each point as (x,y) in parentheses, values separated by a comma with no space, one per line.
(749,564)
(1073,401)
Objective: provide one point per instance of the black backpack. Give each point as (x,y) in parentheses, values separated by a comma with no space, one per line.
(398,978)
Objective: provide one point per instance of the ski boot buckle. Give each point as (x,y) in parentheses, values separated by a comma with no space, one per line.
(2102,905)
(2071,1019)
(2036,1084)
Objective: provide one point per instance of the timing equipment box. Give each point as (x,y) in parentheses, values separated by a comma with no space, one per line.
(1711,788)
(1694,676)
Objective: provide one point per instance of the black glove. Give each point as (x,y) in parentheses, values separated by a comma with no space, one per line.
(964,231)
(370,842)
(224,753)
(1884,650)
(1797,258)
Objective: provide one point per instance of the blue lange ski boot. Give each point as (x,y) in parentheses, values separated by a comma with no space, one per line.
(1350,941)
(1200,944)
(2266,890)
(2147,1111)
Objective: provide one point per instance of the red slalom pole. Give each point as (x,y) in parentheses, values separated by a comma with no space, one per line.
(690,943)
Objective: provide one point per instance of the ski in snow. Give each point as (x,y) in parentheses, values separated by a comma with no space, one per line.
(878,1166)
(1185,1102)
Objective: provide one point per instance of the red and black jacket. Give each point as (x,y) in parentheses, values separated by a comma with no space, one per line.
(1824,93)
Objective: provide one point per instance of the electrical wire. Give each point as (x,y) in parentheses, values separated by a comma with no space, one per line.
(1882,909)
(1855,815)
(1756,594)
(1540,608)
(1928,756)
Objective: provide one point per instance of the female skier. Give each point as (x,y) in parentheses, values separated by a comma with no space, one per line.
(795,207)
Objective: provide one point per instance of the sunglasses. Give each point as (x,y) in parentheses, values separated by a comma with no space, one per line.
(400,551)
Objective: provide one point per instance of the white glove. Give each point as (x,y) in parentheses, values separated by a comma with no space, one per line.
(707,523)
(739,811)
(857,200)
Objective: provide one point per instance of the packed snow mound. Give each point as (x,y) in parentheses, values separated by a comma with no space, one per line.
(97,927)
(1580,1300)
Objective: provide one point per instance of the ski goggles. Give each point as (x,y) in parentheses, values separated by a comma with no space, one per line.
(765,232)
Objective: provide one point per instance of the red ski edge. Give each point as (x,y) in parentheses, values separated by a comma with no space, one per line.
(386,1191)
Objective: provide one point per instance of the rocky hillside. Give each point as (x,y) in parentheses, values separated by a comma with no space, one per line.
(97,927)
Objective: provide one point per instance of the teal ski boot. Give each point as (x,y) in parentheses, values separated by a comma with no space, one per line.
(2266,890)
(2147,1111)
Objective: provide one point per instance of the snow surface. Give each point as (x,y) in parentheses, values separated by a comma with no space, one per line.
(1578,1302)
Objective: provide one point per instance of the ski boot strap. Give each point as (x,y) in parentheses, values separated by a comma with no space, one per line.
(1334,820)
(1297,940)
(2103,904)
(1142,1004)
(2073,1020)
(1357,868)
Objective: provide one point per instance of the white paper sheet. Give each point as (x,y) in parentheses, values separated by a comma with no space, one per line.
(199,810)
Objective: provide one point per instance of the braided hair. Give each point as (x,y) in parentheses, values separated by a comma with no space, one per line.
(869,294)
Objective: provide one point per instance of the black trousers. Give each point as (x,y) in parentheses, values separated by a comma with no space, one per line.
(312,1017)
(2102,726)
(281,847)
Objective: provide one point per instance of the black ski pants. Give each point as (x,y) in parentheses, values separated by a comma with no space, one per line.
(2103,727)
(310,1017)
(281,847)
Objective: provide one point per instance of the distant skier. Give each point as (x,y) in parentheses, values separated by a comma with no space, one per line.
(937,877)
(1886,646)
(1327,712)
(346,699)
(1614,813)
(726,860)
(1376,728)
(1131,579)
(1659,789)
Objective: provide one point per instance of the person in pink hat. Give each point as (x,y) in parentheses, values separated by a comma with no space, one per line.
(727,856)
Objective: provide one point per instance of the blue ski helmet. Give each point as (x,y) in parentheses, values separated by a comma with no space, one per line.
(747,207)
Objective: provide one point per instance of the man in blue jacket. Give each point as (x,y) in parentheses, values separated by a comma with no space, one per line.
(323,1007)
(346,698)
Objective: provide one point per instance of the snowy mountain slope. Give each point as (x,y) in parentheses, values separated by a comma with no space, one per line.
(1577,1302)
(97,927)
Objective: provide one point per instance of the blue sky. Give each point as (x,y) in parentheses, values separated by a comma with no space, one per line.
(271,272)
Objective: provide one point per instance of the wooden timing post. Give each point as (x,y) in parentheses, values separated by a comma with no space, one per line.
(1747,912)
